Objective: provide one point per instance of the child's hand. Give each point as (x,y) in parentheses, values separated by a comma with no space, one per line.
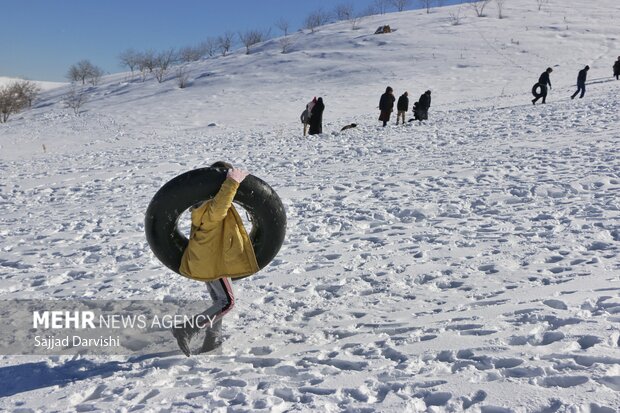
(237,174)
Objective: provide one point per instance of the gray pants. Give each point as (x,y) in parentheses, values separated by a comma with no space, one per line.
(223,301)
(209,320)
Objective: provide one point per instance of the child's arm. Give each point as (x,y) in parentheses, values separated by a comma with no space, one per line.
(216,210)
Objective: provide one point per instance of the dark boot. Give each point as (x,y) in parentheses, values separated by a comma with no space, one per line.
(183,336)
(213,338)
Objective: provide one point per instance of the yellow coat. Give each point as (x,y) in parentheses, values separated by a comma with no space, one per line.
(219,245)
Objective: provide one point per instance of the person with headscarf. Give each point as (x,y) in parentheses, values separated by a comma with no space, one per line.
(386,105)
(316,117)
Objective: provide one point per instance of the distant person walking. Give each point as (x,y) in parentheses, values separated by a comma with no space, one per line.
(305,115)
(402,106)
(581,82)
(543,82)
(386,105)
(420,109)
(316,117)
(617,68)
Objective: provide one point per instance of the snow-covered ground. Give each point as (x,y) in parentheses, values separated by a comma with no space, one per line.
(467,263)
(42,85)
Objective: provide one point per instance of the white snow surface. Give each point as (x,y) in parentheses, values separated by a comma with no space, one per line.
(43,85)
(468,263)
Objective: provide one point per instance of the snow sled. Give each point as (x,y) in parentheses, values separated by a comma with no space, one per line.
(258,199)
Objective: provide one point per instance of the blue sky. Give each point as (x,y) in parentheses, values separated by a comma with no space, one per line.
(42,38)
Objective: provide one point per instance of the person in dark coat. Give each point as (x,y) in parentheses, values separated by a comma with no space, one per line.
(543,82)
(386,105)
(617,68)
(316,118)
(402,106)
(420,110)
(581,82)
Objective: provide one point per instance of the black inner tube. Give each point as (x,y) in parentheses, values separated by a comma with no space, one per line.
(254,195)
(535,91)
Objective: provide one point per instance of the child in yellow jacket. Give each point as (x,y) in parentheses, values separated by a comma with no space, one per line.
(219,247)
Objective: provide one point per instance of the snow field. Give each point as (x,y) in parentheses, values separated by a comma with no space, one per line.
(433,266)
(469,263)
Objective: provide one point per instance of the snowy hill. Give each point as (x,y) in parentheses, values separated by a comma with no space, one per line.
(42,84)
(482,62)
(469,263)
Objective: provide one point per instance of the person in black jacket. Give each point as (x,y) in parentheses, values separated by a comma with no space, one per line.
(617,68)
(402,106)
(316,117)
(420,109)
(386,105)
(581,82)
(543,81)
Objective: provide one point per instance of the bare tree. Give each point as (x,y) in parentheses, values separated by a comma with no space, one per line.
(225,42)
(355,21)
(15,97)
(8,104)
(209,47)
(146,62)
(427,4)
(316,19)
(190,54)
(75,99)
(478,6)
(163,60)
(285,42)
(283,25)
(381,6)
(455,17)
(344,11)
(95,75)
(84,70)
(500,8)
(541,3)
(251,37)
(182,77)
(130,59)
(401,5)
(26,92)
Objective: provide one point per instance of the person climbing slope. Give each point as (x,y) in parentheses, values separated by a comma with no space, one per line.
(219,247)
(543,81)
(581,82)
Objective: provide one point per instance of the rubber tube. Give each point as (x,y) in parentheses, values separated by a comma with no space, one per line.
(254,195)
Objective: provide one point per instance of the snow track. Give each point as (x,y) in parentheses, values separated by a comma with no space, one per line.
(471,261)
